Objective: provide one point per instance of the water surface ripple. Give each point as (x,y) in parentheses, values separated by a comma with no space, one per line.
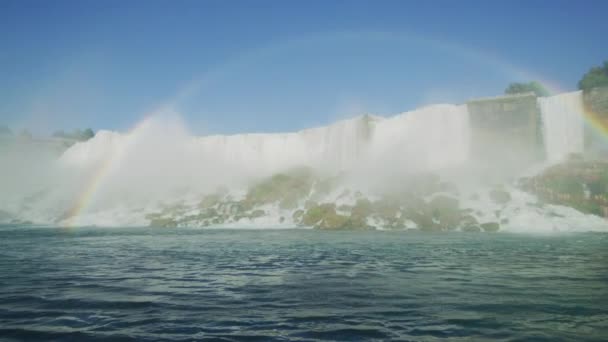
(300,285)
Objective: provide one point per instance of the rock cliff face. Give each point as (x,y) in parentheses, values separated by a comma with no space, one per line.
(506,129)
(596,100)
(577,183)
(596,111)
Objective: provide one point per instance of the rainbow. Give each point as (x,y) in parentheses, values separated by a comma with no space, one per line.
(596,122)
(86,196)
(96,180)
(84,199)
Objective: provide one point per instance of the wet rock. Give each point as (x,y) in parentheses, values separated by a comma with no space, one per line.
(500,196)
(445,212)
(490,227)
(257,213)
(297,215)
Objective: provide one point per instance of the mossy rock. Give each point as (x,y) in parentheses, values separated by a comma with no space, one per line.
(210,201)
(446,210)
(345,208)
(334,221)
(419,212)
(287,188)
(357,222)
(395,223)
(363,207)
(576,183)
(257,213)
(297,215)
(315,214)
(289,202)
(468,221)
(500,196)
(386,209)
(241,206)
(238,217)
(208,213)
(174,210)
(359,213)
(490,227)
(163,222)
(471,229)
(324,216)
(310,204)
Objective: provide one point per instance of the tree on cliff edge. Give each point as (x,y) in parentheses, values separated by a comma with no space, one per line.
(530,87)
(76,135)
(595,77)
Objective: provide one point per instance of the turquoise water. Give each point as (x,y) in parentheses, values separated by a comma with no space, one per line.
(283,285)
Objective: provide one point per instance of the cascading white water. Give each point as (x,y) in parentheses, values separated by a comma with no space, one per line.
(429,138)
(425,139)
(121,177)
(334,147)
(159,160)
(562,122)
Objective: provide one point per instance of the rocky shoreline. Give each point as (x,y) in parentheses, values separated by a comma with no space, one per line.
(300,198)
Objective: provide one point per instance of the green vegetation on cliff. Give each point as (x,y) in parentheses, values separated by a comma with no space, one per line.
(287,188)
(301,198)
(500,196)
(582,185)
(530,87)
(594,78)
(79,135)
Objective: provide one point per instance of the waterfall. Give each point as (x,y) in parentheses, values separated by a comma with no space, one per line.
(562,122)
(428,138)
(424,139)
(160,161)
(117,178)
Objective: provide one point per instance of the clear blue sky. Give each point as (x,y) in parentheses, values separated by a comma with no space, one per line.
(267,66)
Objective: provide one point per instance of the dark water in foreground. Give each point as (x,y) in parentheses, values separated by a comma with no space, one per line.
(235,285)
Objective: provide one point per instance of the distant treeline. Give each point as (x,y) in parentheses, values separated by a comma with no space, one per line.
(596,77)
(78,134)
(5,131)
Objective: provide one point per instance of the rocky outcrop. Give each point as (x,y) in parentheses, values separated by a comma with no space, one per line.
(300,198)
(500,196)
(576,183)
